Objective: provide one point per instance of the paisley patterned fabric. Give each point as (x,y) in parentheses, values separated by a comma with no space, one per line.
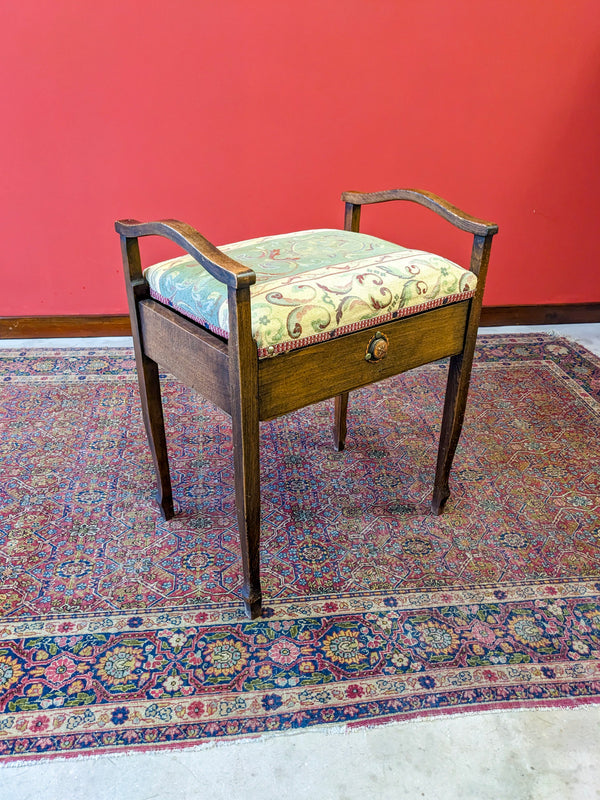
(313,285)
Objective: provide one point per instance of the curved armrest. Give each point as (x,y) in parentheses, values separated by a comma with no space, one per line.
(458,218)
(219,265)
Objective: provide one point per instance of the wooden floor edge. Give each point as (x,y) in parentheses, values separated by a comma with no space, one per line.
(118,324)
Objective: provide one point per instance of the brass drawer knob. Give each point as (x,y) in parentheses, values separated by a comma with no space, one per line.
(377,347)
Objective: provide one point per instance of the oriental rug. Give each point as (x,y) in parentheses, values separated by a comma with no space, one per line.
(120,631)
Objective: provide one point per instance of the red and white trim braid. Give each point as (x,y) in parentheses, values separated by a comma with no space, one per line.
(304,341)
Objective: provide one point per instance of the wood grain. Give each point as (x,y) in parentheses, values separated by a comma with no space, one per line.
(243,376)
(148,377)
(193,355)
(213,260)
(340,411)
(451,213)
(311,374)
(459,376)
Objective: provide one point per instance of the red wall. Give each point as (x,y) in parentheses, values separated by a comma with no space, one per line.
(248,118)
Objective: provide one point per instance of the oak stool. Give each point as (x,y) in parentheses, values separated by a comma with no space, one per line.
(266,326)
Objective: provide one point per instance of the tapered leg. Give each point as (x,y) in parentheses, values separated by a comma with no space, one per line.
(247,500)
(339,427)
(152,413)
(454,411)
(459,376)
(148,379)
(243,379)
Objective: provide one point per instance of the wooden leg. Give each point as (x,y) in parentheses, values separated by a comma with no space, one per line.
(454,411)
(247,500)
(339,427)
(459,376)
(148,380)
(243,379)
(152,413)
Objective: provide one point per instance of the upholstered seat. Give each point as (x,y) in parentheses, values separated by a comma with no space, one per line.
(313,285)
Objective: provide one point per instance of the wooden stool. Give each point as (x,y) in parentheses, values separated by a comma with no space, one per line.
(264,327)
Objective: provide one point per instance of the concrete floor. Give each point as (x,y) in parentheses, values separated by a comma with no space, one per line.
(526,755)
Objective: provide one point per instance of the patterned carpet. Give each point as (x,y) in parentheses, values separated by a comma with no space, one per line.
(120,631)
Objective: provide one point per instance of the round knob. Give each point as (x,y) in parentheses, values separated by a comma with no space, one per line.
(377,347)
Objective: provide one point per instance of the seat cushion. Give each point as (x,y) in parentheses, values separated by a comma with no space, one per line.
(314,285)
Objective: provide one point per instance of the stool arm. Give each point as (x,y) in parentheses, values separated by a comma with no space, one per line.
(454,215)
(218,264)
